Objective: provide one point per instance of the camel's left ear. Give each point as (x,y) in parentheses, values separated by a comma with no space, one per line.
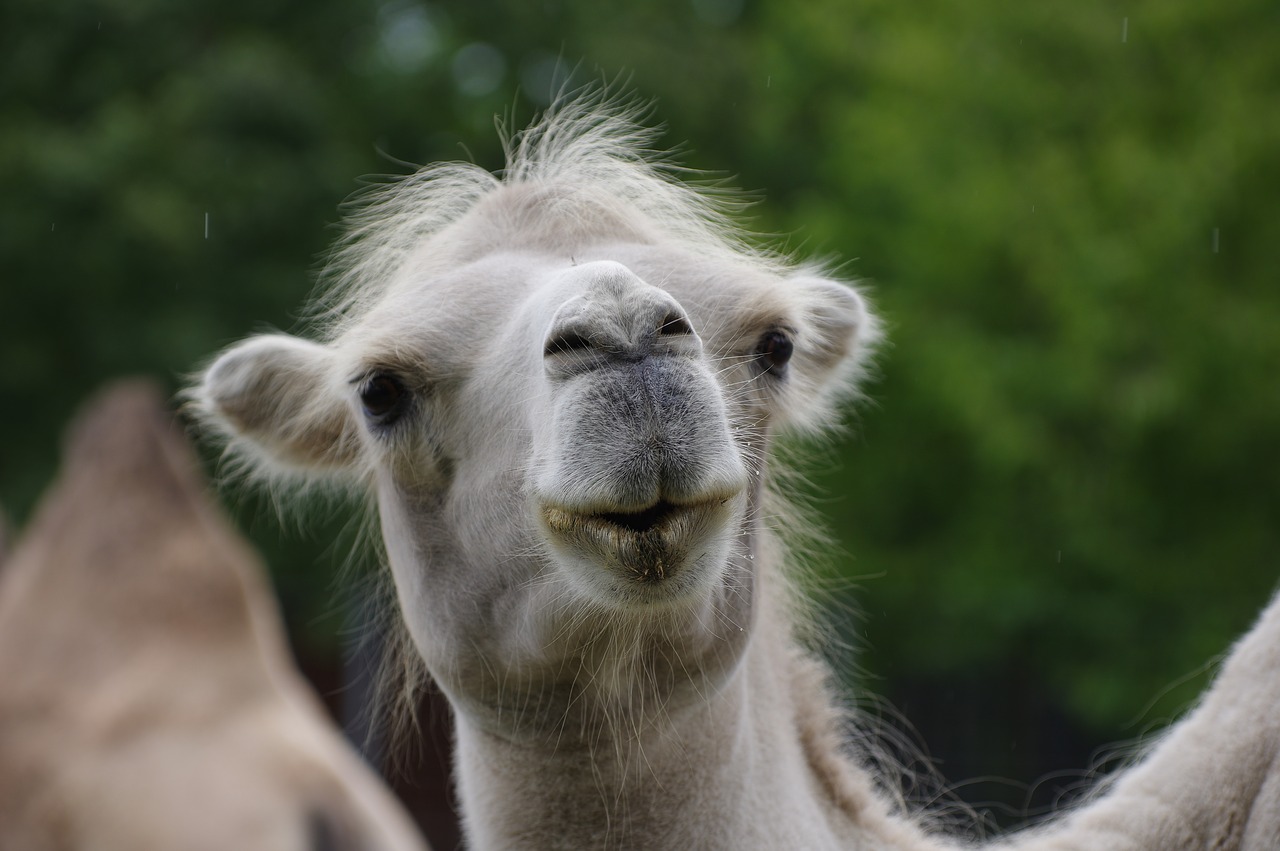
(835,338)
(280,395)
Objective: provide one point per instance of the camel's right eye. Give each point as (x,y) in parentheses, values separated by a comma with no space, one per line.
(384,398)
(775,350)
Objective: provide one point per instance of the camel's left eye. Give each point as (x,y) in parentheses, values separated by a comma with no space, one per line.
(775,350)
(384,398)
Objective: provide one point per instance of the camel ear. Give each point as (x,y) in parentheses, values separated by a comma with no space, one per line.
(836,337)
(281,395)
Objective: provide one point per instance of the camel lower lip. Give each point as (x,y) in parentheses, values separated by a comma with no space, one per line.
(647,545)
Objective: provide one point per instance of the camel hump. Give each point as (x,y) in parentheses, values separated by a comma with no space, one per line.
(139,548)
(149,699)
(126,436)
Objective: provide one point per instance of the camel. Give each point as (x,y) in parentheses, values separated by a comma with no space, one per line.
(149,699)
(563,386)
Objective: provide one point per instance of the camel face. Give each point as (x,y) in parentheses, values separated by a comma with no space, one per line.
(561,388)
(602,431)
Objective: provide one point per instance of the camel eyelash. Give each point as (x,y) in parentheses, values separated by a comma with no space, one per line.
(774,350)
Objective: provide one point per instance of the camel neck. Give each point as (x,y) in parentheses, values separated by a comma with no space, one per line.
(731,772)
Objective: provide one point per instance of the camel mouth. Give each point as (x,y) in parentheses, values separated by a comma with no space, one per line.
(648,545)
(641,521)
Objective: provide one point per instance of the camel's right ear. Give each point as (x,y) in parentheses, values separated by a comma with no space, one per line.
(281,395)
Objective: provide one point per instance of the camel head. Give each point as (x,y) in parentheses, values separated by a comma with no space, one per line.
(562,388)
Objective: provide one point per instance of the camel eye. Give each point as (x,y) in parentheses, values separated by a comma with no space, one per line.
(774,350)
(384,398)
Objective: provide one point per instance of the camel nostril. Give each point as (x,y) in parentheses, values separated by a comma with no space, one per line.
(674,325)
(566,342)
(640,521)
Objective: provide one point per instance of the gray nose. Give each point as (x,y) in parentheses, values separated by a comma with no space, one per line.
(615,315)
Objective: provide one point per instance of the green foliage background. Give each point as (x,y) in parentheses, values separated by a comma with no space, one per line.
(1066,490)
